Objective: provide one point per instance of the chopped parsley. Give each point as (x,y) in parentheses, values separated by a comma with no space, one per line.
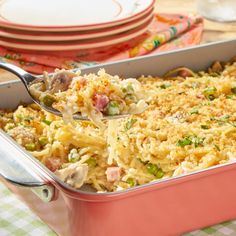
(210,97)
(189,140)
(143,162)
(164,86)
(217,147)
(184,142)
(214,74)
(47,122)
(233,90)
(130,123)
(205,126)
(28,118)
(223,120)
(225,117)
(231,96)
(194,111)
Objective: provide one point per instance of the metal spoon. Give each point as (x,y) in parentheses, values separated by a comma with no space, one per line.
(29,79)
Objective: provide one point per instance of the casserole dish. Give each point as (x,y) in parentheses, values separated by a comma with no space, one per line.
(167,207)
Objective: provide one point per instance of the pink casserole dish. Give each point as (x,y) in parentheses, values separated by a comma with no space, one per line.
(166,207)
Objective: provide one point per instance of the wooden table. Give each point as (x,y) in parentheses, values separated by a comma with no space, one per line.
(213,31)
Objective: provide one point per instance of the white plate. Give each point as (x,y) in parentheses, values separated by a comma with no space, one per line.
(68,36)
(74,45)
(55,15)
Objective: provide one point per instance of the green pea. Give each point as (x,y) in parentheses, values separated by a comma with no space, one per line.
(159,173)
(9,126)
(20,117)
(47,100)
(91,162)
(30,146)
(210,91)
(113,108)
(155,170)
(128,89)
(131,182)
(152,169)
(43,140)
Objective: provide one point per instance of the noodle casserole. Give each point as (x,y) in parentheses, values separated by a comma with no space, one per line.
(189,125)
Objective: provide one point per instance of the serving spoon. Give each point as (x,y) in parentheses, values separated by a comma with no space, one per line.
(28,79)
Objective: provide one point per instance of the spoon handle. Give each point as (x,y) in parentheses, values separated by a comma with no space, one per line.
(25,77)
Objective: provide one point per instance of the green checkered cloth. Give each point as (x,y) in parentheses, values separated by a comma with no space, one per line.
(16,219)
(227,228)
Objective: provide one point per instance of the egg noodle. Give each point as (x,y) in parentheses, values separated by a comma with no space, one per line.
(189,124)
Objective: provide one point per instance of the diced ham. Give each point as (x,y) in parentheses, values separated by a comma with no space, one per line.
(53,163)
(82,81)
(2,112)
(113,174)
(101,102)
(200,96)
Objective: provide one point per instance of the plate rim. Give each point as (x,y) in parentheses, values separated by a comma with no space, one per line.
(91,45)
(76,35)
(8,24)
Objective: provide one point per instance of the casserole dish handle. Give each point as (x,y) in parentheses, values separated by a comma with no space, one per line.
(17,169)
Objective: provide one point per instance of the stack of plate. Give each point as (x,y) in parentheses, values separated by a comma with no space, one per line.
(64,25)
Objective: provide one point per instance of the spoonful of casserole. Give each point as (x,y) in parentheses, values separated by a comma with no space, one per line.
(92,97)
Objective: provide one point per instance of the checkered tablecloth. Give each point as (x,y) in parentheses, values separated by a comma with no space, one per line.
(16,219)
